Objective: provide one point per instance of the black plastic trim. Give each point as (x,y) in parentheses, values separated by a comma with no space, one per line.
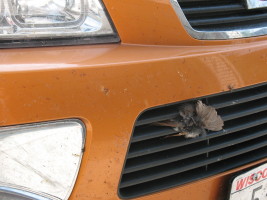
(242,124)
(8,44)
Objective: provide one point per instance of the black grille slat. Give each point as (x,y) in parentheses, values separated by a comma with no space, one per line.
(146,162)
(239,111)
(242,97)
(146,133)
(193,1)
(213,9)
(153,147)
(169,182)
(158,116)
(151,174)
(228,20)
(157,161)
(210,15)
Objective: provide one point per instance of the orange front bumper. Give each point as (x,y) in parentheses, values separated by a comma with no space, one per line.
(107,86)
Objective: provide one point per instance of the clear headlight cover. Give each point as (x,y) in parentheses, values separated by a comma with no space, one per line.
(40,161)
(80,21)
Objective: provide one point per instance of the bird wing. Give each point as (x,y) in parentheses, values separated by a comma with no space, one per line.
(169,123)
(209,117)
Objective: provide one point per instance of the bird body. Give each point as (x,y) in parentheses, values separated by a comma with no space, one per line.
(194,119)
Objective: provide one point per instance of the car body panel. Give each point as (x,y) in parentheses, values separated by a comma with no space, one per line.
(154,22)
(108,86)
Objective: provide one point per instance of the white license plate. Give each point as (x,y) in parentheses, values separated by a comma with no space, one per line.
(251,185)
(256,4)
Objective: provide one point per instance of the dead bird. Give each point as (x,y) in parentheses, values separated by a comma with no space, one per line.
(193,120)
(208,117)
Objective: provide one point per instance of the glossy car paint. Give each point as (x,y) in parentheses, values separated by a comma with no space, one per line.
(108,86)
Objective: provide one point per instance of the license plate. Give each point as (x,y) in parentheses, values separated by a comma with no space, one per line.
(252,4)
(251,185)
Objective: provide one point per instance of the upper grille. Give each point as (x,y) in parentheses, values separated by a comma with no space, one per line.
(155,162)
(222,15)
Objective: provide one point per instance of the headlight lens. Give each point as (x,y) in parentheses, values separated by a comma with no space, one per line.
(7,193)
(80,21)
(42,159)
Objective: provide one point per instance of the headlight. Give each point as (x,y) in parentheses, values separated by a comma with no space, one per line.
(7,193)
(54,22)
(40,161)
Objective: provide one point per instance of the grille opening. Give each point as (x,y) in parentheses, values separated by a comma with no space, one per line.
(160,158)
(161,171)
(250,133)
(157,144)
(220,15)
(191,175)
(243,109)
(155,162)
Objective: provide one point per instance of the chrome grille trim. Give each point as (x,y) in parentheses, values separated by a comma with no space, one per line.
(216,35)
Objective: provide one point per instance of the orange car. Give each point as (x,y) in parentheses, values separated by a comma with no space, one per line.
(93,95)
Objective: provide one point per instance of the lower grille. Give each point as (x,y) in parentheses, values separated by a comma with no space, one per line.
(155,162)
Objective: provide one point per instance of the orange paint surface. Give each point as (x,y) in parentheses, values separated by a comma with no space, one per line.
(155,22)
(107,86)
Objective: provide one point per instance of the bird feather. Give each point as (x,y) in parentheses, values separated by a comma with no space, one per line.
(193,119)
(209,118)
